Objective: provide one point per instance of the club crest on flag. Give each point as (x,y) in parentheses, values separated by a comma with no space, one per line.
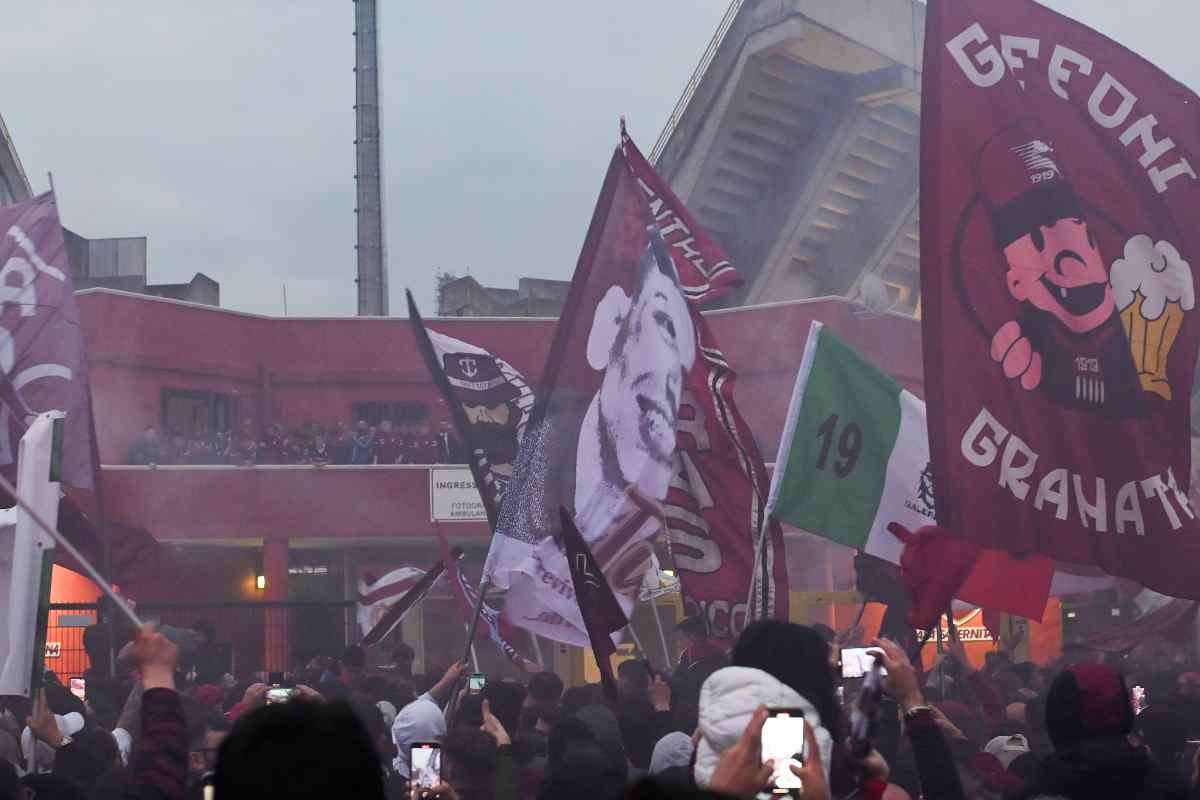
(922,503)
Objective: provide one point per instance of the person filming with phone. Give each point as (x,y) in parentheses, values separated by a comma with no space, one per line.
(771,722)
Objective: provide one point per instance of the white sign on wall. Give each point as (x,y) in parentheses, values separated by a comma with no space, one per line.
(453,496)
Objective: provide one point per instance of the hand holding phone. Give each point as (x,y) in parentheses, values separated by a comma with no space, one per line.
(784,742)
(280,694)
(476,682)
(425,765)
(864,717)
(858,661)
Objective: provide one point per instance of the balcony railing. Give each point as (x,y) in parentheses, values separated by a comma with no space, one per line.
(287,501)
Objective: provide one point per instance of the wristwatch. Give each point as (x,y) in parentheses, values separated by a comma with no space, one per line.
(63,742)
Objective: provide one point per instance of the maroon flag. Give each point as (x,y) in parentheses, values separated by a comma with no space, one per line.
(635,430)
(715,504)
(1058,238)
(602,614)
(41,345)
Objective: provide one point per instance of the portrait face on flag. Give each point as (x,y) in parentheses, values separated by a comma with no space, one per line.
(1057,260)
(635,432)
(643,345)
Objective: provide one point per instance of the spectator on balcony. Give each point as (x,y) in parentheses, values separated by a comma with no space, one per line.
(387,444)
(318,453)
(176,451)
(362,445)
(243,452)
(450,449)
(427,448)
(293,448)
(147,450)
(200,450)
(270,449)
(341,443)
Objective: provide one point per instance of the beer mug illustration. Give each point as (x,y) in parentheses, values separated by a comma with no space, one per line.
(1153,289)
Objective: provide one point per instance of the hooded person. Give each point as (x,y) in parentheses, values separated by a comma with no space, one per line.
(1066,338)
(672,751)
(419,721)
(1089,717)
(729,698)
(606,730)
(578,765)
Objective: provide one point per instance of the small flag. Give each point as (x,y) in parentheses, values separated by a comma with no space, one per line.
(410,584)
(497,629)
(602,614)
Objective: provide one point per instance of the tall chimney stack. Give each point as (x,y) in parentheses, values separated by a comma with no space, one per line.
(372,264)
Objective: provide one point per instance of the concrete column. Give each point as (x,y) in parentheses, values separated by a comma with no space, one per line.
(277,638)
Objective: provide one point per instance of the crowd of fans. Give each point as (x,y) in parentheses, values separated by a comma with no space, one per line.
(171,727)
(310,443)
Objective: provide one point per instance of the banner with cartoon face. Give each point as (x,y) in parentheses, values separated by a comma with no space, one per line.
(1059,209)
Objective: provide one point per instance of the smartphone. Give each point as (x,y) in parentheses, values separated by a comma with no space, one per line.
(79,687)
(784,743)
(476,682)
(865,716)
(280,694)
(858,661)
(425,761)
(274,678)
(1137,695)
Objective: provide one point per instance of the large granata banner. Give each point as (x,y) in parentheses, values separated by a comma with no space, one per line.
(1059,229)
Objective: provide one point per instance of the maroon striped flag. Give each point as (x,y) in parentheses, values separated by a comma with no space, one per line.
(384,602)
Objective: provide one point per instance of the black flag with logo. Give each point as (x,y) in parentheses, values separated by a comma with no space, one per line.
(602,614)
(489,402)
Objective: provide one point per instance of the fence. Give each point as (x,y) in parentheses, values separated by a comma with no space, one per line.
(257,636)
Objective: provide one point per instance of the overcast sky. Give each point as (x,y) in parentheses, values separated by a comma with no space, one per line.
(223,129)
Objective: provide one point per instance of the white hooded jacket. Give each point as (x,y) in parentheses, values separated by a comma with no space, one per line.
(729,698)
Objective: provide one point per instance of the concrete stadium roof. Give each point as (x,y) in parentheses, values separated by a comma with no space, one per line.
(796,145)
(14,185)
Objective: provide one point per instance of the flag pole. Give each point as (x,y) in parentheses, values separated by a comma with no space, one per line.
(636,641)
(470,651)
(105,528)
(62,542)
(537,648)
(662,636)
(758,554)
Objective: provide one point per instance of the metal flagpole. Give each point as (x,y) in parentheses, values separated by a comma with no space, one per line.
(636,641)
(62,542)
(537,649)
(662,636)
(471,650)
(483,587)
(104,527)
